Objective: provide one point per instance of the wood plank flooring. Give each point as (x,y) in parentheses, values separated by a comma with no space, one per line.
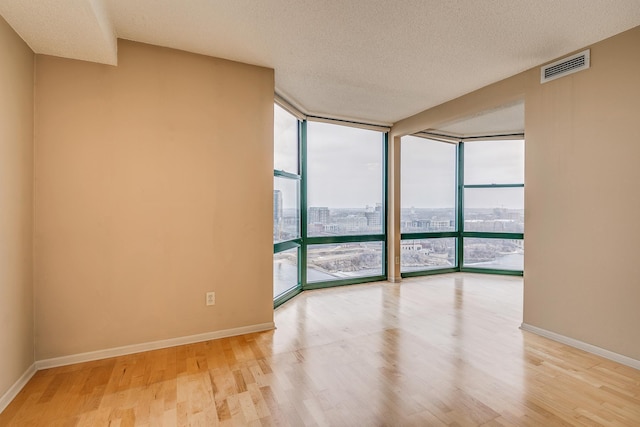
(434,351)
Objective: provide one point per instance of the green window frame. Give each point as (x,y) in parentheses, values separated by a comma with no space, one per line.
(412,236)
(303,242)
(481,234)
(293,243)
(460,234)
(308,241)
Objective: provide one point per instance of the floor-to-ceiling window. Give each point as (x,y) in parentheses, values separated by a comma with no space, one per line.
(345,205)
(462,205)
(428,205)
(329,204)
(493,205)
(287,237)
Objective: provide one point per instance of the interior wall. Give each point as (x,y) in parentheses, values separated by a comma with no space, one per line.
(153,185)
(582,203)
(16,202)
(582,276)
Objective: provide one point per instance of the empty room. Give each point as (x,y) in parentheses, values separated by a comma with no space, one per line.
(331,213)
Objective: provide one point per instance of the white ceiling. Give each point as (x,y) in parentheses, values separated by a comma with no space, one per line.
(505,120)
(371,60)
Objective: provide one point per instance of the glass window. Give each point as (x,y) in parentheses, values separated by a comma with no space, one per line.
(344,181)
(494,210)
(500,254)
(286,209)
(494,162)
(286,200)
(428,185)
(285,141)
(285,271)
(427,254)
(343,261)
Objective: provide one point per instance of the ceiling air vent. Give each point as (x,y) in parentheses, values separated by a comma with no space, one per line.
(565,66)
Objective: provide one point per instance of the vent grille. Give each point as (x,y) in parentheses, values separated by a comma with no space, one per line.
(565,66)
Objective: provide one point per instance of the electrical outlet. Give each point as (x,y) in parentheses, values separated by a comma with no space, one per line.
(397,260)
(211,298)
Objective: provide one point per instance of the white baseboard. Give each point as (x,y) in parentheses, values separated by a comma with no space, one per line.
(154,345)
(589,348)
(16,387)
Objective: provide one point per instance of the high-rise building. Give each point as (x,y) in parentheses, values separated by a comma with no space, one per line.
(277,214)
(318,215)
(374,215)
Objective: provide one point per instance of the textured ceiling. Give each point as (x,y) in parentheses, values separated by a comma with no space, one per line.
(508,119)
(369,60)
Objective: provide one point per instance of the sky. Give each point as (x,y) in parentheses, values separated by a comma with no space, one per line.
(345,168)
(428,173)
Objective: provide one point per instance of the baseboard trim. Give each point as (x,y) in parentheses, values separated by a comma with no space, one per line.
(154,345)
(589,348)
(16,387)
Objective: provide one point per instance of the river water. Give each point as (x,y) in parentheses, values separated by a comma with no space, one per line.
(513,261)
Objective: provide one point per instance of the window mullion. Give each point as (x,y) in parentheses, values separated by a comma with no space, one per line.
(460,206)
(302,141)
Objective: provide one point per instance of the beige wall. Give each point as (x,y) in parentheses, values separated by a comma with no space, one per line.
(582,201)
(16,207)
(582,242)
(153,179)
(153,186)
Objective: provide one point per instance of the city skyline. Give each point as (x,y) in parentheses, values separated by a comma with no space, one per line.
(322,220)
(344,196)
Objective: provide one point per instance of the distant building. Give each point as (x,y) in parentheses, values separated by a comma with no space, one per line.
(318,215)
(352,223)
(422,224)
(410,246)
(331,228)
(374,216)
(315,229)
(277,214)
(406,224)
(440,225)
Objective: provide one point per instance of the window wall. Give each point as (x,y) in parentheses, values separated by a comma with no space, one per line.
(287,236)
(345,216)
(328,205)
(462,206)
(428,219)
(493,200)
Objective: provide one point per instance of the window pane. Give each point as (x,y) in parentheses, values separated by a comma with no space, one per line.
(499,254)
(285,271)
(344,180)
(497,210)
(285,141)
(428,185)
(343,261)
(286,209)
(427,254)
(494,162)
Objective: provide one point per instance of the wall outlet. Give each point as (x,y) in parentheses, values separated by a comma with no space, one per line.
(211,298)
(397,260)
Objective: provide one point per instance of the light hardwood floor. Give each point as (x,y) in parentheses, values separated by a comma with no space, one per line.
(440,350)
